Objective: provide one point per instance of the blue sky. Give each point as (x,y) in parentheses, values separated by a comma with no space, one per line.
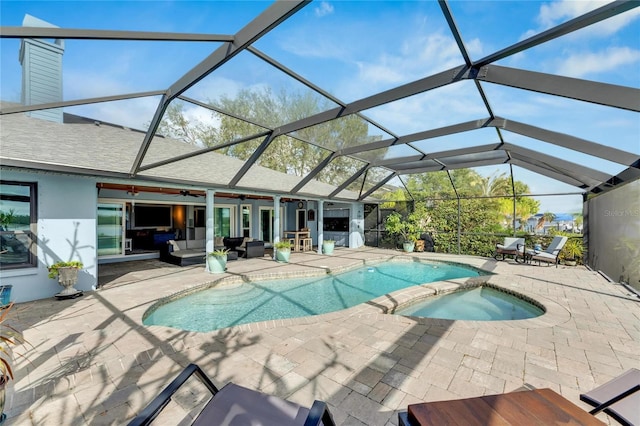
(353,50)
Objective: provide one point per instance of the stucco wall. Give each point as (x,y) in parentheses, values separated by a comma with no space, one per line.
(614,233)
(66,231)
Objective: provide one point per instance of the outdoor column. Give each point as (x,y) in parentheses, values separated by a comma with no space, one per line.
(210,230)
(320,225)
(276,220)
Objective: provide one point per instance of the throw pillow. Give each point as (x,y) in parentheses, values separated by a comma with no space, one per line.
(245,241)
(218,241)
(174,245)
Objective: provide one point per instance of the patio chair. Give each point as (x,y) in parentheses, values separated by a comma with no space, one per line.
(619,398)
(511,247)
(237,405)
(550,254)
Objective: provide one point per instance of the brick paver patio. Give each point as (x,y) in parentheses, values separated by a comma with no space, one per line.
(91,361)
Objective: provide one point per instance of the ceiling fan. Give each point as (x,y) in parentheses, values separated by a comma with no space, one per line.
(186,193)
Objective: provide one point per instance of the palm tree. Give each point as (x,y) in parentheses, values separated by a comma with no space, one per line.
(546,217)
(494,184)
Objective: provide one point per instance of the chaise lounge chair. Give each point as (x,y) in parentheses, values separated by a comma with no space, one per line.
(511,247)
(550,254)
(237,405)
(619,398)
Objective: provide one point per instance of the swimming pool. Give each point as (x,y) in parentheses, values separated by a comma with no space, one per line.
(248,302)
(479,304)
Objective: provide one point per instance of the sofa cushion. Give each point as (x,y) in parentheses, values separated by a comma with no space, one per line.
(196,244)
(232,242)
(189,253)
(175,246)
(245,240)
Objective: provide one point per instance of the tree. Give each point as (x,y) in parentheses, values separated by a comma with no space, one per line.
(525,206)
(479,218)
(492,185)
(546,217)
(295,154)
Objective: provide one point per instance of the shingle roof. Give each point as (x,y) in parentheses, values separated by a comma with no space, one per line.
(87,146)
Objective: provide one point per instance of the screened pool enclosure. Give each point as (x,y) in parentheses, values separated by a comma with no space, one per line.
(344,101)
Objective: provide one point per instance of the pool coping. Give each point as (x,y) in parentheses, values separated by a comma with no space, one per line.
(383,307)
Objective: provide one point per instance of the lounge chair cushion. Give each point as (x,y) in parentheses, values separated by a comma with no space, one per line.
(626,410)
(542,255)
(510,244)
(237,405)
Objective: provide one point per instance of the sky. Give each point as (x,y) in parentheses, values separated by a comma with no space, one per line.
(353,49)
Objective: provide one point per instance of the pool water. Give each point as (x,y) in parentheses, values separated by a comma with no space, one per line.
(222,307)
(479,304)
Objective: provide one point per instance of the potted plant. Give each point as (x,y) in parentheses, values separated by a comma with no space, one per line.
(67,274)
(217,261)
(405,229)
(328,246)
(572,251)
(283,251)
(9,337)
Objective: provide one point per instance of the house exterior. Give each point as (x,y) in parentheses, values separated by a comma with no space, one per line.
(67,192)
(68,179)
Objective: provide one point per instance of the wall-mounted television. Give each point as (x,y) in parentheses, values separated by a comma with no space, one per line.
(151,216)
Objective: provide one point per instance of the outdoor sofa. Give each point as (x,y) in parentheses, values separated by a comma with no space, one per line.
(246,247)
(192,252)
(183,252)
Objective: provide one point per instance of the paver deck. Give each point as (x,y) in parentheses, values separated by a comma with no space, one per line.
(91,361)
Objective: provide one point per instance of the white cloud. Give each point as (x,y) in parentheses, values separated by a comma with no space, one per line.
(418,57)
(440,107)
(195,114)
(213,87)
(324,9)
(582,64)
(557,12)
(553,13)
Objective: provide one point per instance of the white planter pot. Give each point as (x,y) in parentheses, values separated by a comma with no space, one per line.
(408,246)
(282,255)
(68,278)
(327,248)
(217,264)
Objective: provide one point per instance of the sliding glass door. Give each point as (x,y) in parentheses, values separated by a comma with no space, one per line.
(110,229)
(224,221)
(267,220)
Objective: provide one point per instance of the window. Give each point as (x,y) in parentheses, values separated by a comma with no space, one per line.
(246,220)
(18,224)
(222,220)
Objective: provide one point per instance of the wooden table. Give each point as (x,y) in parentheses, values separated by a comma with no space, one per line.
(534,407)
(297,235)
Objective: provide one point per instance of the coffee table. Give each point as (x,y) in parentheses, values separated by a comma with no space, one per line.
(539,406)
